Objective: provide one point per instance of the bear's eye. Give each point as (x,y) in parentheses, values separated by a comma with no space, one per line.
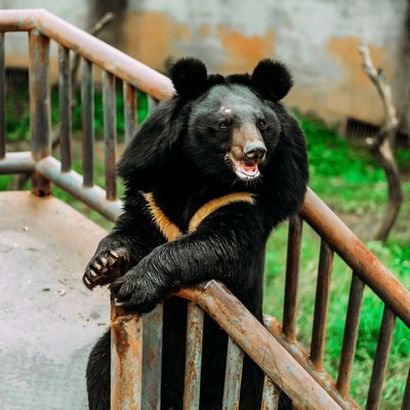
(261,124)
(225,123)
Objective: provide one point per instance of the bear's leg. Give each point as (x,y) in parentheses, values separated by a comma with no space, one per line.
(98,374)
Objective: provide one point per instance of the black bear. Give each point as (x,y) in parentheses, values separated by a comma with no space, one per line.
(207,177)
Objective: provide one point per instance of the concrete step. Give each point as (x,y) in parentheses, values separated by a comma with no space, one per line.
(49,320)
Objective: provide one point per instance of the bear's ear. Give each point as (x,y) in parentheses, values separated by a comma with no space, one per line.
(190,77)
(272,79)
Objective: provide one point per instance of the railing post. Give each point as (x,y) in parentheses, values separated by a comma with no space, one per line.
(193,357)
(87,114)
(130,111)
(270,396)
(39,47)
(126,359)
(292,276)
(380,359)
(110,134)
(152,358)
(64,94)
(233,376)
(2,100)
(350,335)
(317,348)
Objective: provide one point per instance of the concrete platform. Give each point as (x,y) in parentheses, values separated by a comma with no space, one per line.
(48,319)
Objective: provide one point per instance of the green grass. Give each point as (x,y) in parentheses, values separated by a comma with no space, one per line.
(18,119)
(347,178)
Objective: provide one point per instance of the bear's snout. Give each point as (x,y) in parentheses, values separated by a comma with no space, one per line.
(255,150)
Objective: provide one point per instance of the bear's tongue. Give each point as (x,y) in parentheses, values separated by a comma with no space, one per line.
(249,169)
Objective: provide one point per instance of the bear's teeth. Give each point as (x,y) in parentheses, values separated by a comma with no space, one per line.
(250,170)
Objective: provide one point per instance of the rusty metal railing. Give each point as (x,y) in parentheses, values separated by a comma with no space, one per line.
(273,347)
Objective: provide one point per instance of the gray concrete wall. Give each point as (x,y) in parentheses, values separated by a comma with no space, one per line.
(317,39)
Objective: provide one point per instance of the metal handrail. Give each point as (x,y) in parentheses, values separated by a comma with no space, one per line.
(212,297)
(352,250)
(90,47)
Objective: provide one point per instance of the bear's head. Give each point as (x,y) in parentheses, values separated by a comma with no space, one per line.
(232,130)
(232,120)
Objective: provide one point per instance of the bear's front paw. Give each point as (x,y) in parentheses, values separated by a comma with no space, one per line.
(106,266)
(141,289)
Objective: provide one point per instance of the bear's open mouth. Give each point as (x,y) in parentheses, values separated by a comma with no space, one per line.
(246,170)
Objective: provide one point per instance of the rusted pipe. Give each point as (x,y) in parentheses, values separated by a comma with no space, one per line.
(299,352)
(317,346)
(64,97)
(16,163)
(261,346)
(322,219)
(292,276)
(126,360)
(72,182)
(91,48)
(40,117)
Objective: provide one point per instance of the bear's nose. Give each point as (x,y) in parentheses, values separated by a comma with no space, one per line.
(255,150)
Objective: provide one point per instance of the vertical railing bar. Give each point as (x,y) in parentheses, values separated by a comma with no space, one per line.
(152,359)
(233,376)
(292,276)
(405,405)
(130,110)
(380,359)
(64,93)
(193,357)
(110,134)
(350,335)
(270,396)
(87,112)
(39,58)
(126,359)
(2,99)
(321,305)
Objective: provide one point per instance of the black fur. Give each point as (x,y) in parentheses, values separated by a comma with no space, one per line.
(181,155)
(190,77)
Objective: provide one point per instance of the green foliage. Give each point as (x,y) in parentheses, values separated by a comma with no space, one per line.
(18,118)
(142,104)
(17,115)
(5,181)
(347,179)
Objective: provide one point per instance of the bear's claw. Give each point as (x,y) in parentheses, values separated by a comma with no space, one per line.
(106,266)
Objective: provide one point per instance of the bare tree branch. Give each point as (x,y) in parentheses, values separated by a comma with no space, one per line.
(382,146)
